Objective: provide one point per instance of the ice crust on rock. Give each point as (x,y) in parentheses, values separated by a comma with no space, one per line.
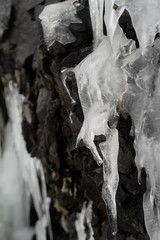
(55,20)
(19,181)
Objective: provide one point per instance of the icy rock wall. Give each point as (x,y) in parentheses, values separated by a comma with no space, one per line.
(117,75)
(114,79)
(19,181)
(55,19)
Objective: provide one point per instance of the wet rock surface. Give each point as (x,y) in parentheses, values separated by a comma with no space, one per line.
(72,175)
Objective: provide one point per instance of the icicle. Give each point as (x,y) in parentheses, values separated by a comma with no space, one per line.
(111,18)
(96,12)
(19,181)
(79,224)
(85,217)
(89,220)
(101,84)
(98,93)
(110,150)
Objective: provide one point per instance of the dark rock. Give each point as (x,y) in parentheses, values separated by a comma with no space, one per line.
(42,103)
(5,12)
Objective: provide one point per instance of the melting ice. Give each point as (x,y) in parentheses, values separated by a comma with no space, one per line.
(19,181)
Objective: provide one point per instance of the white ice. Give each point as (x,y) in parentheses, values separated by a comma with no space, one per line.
(19,180)
(84,217)
(55,20)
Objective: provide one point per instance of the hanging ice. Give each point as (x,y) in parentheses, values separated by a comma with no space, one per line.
(19,181)
(145,19)
(84,217)
(117,73)
(100,86)
(142,101)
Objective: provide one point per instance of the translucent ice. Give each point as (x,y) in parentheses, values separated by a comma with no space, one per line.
(145,19)
(100,87)
(98,93)
(118,74)
(101,84)
(19,181)
(55,20)
(142,101)
(96,14)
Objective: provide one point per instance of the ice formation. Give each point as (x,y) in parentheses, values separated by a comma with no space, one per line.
(19,181)
(117,75)
(84,217)
(55,20)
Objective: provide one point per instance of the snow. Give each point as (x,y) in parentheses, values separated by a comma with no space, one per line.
(19,181)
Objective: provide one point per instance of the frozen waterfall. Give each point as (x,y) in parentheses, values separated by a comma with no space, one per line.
(19,182)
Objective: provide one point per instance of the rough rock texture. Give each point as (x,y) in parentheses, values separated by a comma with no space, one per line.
(72,175)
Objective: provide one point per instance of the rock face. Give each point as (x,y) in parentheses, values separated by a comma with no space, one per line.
(72,175)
